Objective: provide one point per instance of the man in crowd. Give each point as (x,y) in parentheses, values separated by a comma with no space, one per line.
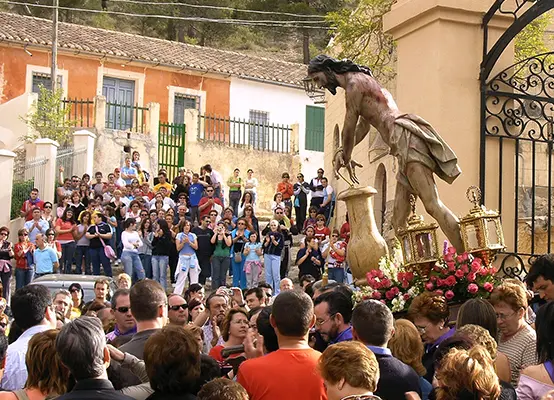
(163,183)
(29,204)
(255,297)
(196,190)
(217,306)
(290,372)
(82,348)
(33,312)
(541,277)
(328,204)
(216,179)
(62,303)
(268,290)
(125,324)
(36,225)
(373,325)
(209,203)
(301,190)
(333,311)
(286,284)
(98,187)
(316,186)
(128,173)
(178,311)
(119,182)
(101,290)
(205,248)
(46,259)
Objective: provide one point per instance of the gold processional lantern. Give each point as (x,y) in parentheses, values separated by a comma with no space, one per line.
(481,229)
(419,243)
(313,91)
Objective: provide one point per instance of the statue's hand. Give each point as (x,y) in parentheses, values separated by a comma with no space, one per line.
(351,168)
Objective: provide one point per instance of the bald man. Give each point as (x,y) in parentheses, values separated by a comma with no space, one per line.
(285,284)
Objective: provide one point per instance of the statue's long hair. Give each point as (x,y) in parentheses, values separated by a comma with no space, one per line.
(324,63)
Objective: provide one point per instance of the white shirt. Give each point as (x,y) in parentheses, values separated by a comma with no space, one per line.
(216,177)
(129,239)
(253,182)
(15,374)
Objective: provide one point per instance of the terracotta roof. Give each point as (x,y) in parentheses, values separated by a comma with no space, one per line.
(72,37)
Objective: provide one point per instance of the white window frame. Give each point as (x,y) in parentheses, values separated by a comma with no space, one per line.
(137,77)
(44,70)
(175,90)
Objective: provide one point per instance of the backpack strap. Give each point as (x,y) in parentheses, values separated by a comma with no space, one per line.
(21,394)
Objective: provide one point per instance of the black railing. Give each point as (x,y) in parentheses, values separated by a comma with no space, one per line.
(81,112)
(126,117)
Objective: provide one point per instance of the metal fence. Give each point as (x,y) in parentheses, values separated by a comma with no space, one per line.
(71,160)
(238,132)
(126,117)
(27,174)
(81,112)
(171,147)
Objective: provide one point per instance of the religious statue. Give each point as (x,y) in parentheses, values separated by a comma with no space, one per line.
(419,149)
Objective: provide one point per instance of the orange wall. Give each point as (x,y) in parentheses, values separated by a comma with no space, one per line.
(83,74)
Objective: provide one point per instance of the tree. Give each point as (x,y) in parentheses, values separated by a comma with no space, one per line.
(531,40)
(359,36)
(50,118)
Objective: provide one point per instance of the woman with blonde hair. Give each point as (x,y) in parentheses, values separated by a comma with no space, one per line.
(47,377)
(467,374)
(406,345)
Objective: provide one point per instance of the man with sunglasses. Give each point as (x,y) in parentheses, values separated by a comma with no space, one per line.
(29,204)
(209,203)
(177,310)
(125,323)
(301,190)
(316,186)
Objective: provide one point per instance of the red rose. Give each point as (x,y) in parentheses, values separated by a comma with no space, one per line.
(395,290)
(471,276)
(405,284)
(451,250)
(440,282)
(389,295)
(449,294)
(451,266)
(409,275)
(380,274)
(433,278)
(451,280)
(406,297)
(472,288)
(429,286)
(459,274)
(386,283)
(464,268)
(448,257)
(476,264)
(459,259)
(439,292)
(465,256)
(377,295)
(488,286)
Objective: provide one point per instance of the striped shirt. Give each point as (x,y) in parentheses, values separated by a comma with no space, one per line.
(520,350)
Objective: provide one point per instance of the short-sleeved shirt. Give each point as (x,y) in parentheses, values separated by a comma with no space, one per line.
(44,260)
(128,171)
(238,246)
(264,378)
(187,249)
(195,193)
(103,229)
(33,231)
(166,185)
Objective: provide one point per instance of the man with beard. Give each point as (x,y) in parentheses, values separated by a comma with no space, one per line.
(418,148)
(178,310)
(210,320)
(333,311)
(125,323)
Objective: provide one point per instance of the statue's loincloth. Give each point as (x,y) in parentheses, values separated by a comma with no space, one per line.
(415,140)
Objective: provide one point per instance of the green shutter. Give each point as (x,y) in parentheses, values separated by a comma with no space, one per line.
(315,128)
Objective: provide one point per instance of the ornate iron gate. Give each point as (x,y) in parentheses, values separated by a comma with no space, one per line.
(517,120)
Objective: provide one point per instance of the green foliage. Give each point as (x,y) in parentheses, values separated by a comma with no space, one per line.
(50,118)
(531,40)
(360,36)
(20,193)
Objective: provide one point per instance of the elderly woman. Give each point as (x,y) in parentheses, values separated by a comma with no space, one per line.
(429,312)
(349,371)
(517,339)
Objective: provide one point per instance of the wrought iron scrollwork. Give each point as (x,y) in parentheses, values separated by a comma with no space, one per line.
(512,266)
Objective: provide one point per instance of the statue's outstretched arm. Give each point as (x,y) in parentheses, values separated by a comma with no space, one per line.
(361,130)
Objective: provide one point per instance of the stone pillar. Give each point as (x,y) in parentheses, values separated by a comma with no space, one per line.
(439,44)
(294,147)
(6,181)
(153,120)
(100,113)
(191,125)
(83,163)
(48,149)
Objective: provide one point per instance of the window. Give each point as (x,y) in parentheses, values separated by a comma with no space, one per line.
(315,128)
(120,100)
(182,102)
(43,79)
(259,130)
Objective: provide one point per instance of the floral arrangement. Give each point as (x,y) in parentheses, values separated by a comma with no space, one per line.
(456,276)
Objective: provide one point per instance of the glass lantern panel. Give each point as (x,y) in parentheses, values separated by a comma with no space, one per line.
(423,245)
(492,232)
(472,231)
(407,250)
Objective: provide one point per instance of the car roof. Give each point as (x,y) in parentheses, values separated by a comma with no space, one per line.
(71,278)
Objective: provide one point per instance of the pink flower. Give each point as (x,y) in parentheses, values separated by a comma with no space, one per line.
(451,250)
(389,295)
(465,256)
(459,274)
(440,282)
(471,277)
(448,257)
(459,259)
(405,284)
(429,286)
(439,292)
(451,280)
(433,278)
(472,288)
(395,290)
(380,274)
(386,283)
(464,268)
(406,297)
(488,286)
(409,275)
(476,264)
(451,266)
(449,294)
(376,295)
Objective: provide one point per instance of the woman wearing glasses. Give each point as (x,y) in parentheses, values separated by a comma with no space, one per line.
(240,237)
(23,259)
(233,330)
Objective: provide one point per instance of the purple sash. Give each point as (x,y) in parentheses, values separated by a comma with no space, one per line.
(550,369)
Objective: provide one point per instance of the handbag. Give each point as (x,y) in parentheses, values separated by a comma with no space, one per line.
(238,257)
(108,251)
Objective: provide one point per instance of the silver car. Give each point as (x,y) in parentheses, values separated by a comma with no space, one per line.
(55,282)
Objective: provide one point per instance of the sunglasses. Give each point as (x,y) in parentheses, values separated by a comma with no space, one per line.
(184,306)
(278,213)
(122,310)
(3,234)
(47,206)
(74,290)
(51,234)
(24,234)
(322,220)
(209,191)
(241,223)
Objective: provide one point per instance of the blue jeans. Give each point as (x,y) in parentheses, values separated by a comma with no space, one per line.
(23,277)
(336,274)
(159,269)
(239,276)
(132,265)
(81,252)
(68,251)
(272,265)
(220,265)
(97,257)
(146,260)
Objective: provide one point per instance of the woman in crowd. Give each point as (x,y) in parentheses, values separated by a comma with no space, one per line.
(6,254)
(467,374)
(195,291)
(480,312)
(251,184)
(406,345)
(537,380)
(24,268)
(145,251)
(252,260)
(66,229)
(161,247)
(75,204)
(251,220)
(130,257)
(47,214)
(220,258)
(134,211)
(53,243)
(517,338)
(349,371)
(196,307)
(429,312)
(47,377)
(77,300)
(187,267)
(247,200)
(120,209)
(123,281)
(82,255)
(173,254)
(311,220)
(310,260)
(310,233)
(273,247)
(112,222)
(277,201)
(240,237)
(322,232)
(63,203)
(84,193)
(214,220)
(334,254)
(233,331)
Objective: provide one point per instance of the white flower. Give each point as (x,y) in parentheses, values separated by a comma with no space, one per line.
(398,303)
(414,291)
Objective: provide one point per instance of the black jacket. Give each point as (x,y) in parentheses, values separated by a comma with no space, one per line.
(395,378)
(93,389)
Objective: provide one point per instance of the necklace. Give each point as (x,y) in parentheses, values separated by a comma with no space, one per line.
(361,397)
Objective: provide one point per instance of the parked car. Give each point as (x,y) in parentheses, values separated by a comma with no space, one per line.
(55,282)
